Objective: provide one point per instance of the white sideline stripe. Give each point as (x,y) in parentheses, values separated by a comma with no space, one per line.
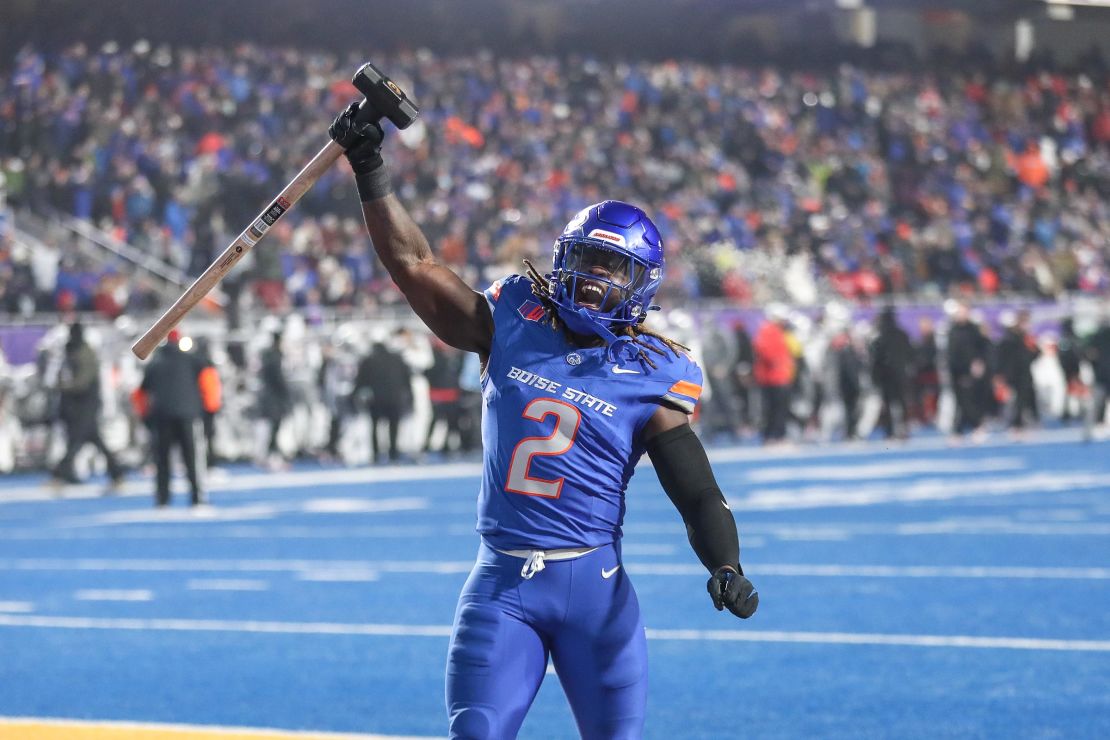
(933,571)
(885,469)
(257,481)
(312,567)
(929,489)
(862,449)
(472,471)
(200,730)
(13,607)
(247,512)
(404,630)
(977,527)
(226,625)
(267,530)
(864,638)
(358,569)
(361,505)
(973,527)
(855,488)
(91,594)
(339,575)
(1005,527)
(226,584)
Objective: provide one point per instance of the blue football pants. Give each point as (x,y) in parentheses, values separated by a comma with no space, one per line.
(506,628)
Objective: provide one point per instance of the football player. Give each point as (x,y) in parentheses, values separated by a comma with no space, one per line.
(575,390)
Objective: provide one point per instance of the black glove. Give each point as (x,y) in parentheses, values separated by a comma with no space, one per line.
(733,590)
(363,141)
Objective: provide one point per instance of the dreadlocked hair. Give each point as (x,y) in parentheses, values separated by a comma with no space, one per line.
(544,292)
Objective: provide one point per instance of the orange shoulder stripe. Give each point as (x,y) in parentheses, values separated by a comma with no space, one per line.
(686,388)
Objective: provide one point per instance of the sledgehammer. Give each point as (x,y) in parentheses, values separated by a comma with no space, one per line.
(383,99)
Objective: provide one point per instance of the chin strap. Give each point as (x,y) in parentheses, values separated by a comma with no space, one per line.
(580,321)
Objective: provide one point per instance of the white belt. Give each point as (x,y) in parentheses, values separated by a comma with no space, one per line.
(534,559)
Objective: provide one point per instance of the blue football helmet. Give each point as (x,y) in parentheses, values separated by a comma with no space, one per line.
(607,266)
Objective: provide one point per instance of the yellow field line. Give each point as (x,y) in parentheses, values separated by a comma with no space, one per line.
(36,728)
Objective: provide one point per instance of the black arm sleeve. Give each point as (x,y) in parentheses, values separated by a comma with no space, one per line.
(683,470)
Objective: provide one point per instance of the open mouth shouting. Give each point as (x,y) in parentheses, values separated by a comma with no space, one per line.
(590,293)
(598,277)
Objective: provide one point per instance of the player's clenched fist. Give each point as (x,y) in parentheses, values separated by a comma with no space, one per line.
(363,142)
(348,132)
(733,591)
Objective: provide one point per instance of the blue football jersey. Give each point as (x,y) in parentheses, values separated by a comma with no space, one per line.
(561,427)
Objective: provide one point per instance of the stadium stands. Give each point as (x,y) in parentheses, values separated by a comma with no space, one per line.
(768,184)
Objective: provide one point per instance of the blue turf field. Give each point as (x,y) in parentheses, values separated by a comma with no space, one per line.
(917,592)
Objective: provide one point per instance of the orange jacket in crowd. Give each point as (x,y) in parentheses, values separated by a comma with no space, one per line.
(140,402)
(774,363)
(211,391)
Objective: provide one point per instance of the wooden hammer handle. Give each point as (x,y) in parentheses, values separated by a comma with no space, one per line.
(250,236)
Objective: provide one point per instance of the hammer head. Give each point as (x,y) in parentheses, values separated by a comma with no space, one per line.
(384,98)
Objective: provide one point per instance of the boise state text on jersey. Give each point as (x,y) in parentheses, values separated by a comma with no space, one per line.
(561,427)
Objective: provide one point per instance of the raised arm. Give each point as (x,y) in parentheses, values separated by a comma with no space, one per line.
(453,311)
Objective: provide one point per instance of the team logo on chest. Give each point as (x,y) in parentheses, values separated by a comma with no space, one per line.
(574,359)
(531,311)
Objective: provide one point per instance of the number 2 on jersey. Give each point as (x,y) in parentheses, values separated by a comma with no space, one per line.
(561,439)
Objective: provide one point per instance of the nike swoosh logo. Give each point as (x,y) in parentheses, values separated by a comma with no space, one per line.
(609,573)
(622,371)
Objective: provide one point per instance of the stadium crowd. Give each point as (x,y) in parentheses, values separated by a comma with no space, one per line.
(768,184)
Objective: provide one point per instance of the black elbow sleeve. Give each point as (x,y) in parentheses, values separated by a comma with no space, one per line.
(685,474)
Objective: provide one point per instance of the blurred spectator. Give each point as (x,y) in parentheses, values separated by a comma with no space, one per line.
(742,374)
(773,372)
(718,359)
(984,387)
(968,355)
(846,368)
(335,388)
(1098,352)
(470,383)
(211,399)
(799,394)
(1069,353)
(445,395)
(891,364)
(926,372)
(79,408)
(385,379)
(172,384)
(275,399)
(1015,355)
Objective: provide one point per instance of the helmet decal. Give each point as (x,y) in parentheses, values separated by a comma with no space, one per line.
(608,236)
